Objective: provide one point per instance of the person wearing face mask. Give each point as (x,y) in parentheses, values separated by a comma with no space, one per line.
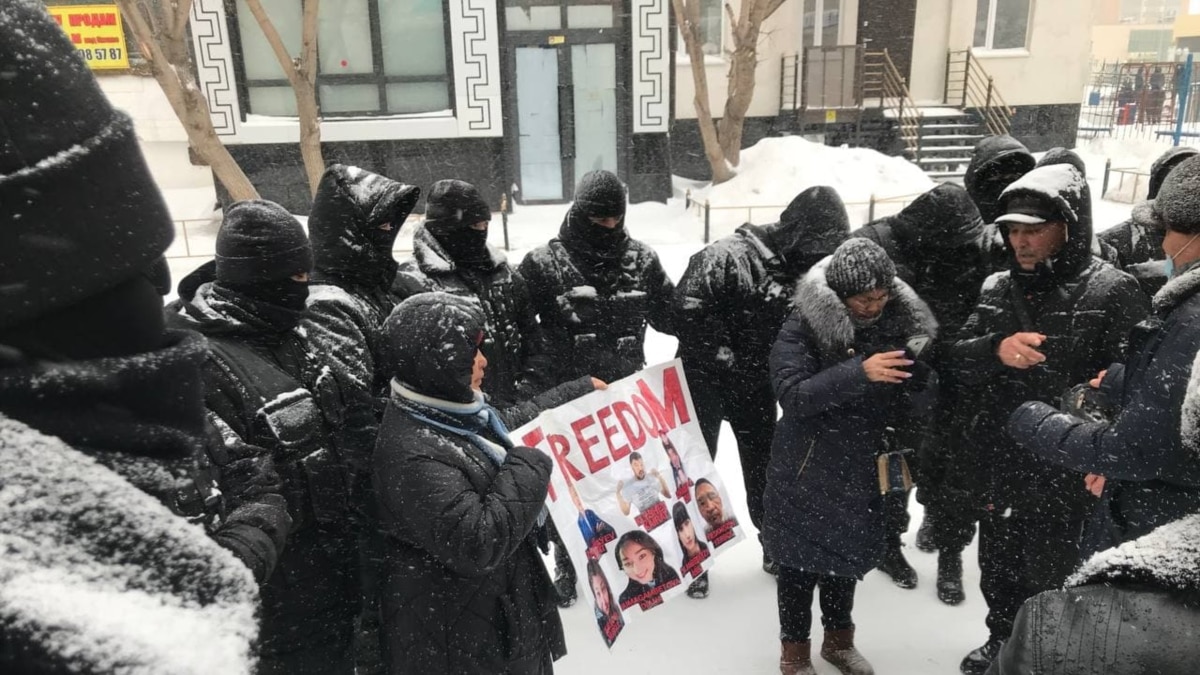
(728,308)
(1146,452)
(464,589)
(1055,318)
(846,384)
(259,380)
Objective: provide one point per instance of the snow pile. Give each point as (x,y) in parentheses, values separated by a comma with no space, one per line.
(775,170)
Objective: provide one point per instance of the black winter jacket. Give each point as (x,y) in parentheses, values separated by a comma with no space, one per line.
(736,293)
(350,296)
(1139,239)
(517,364)
(1149,452)
(1085,308)
(1130,610)
(594,305)
(824,510)
(102,518)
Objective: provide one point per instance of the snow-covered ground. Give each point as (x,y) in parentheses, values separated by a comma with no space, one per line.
(735,630)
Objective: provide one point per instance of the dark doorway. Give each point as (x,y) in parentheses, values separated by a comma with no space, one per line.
(890,25)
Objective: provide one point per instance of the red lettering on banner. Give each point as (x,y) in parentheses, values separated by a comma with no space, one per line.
(600,545)
(722,533)
(559,447)
(89,40)
(675,404)
(612,628)
(684,492)
(57,19)
(585,444)
(76,39)
(693,567)
(624,413)
(650,423)
(652,597)
(609,430)
(653,517)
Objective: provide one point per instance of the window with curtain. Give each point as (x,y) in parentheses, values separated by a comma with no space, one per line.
(375,57)
(1001,24)
(710,27)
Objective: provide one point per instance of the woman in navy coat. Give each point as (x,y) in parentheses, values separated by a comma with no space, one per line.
(848,389)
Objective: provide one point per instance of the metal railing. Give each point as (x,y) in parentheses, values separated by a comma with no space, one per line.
(869,210)
(882,80)
(969,86)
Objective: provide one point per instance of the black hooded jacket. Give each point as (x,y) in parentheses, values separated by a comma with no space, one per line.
(936,243)
(595,290)
(349,296)
(517,364)
(736,293)
(1085,308)
(995,156)
(1100,248)
(1130,609)
(1140,238)
(464,587)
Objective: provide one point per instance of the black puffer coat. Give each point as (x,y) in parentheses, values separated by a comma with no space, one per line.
(736,293)
(259,381)
(517,364)
(102,517)
(1100,248)
(1149,452)
(594,302)
(1086,309)
(824,511)
(1131,609)
(464,589)
(349,296)
(1139,239)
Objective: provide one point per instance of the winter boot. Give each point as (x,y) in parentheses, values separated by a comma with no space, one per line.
(949,577)
(795,658)
(699,588)
(838,649)
(925,536)
(895,566)
(977,662)
(564,577)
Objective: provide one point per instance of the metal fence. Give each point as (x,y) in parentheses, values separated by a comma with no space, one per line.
(720,219)
(1140,100)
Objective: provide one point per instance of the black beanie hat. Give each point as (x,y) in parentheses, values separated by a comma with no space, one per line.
(1177,205)
(455,203)
(260,241)
(600,194)
(79,212)
(857,266)
(431,343)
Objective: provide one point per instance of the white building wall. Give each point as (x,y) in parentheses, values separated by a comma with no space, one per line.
(927,79)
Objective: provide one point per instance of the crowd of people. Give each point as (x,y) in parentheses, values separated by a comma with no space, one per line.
(303,464)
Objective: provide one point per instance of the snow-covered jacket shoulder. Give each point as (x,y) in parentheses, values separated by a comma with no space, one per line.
(84,547)
(1129,609)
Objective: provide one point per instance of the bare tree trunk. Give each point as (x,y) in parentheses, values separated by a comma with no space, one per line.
(742,65)
(161,32)
(687,14)
(301,72)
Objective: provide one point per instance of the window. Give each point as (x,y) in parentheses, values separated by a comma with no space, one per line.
(375,57)
(822,19)
(709,26)
(1001,24)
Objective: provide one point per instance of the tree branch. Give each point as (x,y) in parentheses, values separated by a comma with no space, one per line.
(183,11)
(308,45)
(274,40)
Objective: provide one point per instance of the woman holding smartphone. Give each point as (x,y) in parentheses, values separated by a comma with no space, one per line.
(845,383)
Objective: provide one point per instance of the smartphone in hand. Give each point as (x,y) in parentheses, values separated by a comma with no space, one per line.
(916,345)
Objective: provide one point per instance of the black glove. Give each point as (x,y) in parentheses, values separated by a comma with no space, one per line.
(1088,403)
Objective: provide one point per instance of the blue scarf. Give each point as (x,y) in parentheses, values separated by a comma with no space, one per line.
(466,420)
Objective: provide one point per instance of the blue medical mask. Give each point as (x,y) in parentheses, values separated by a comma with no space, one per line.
(1169,263)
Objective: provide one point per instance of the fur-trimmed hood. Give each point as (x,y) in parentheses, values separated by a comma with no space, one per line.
(829,320)
(1168,557)
(1177,290)
(432,258)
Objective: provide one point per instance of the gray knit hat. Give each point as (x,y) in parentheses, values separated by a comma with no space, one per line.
(857,266)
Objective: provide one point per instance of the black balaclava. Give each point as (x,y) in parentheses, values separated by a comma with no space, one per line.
(260,247)
(432,339)
(600,194)
(450,210)
(995,164)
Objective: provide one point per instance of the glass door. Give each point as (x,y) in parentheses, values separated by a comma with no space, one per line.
(539,137)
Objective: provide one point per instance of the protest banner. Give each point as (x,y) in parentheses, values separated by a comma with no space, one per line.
(633,493)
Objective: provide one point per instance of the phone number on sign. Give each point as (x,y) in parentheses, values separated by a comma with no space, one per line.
(102,54)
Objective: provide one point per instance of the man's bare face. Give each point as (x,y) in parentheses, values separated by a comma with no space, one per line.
(708,500)
(639,468)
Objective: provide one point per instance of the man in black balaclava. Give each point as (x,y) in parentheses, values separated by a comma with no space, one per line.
(729,306)
(595,290)
(104,446)
(995,164)
(259,368)
(451,254)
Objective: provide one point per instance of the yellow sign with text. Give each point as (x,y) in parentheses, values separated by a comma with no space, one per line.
(96,32)
(830,116)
